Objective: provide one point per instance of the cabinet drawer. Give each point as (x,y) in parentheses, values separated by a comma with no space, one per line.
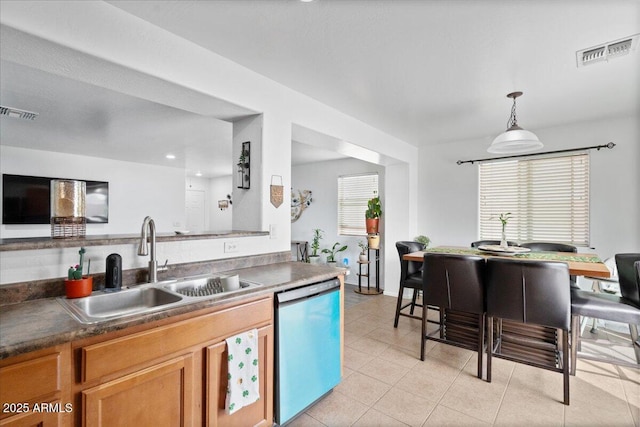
(111,356)
(34,378)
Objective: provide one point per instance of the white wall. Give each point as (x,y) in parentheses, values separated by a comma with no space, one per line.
(135,189)
(218,189)
(322,179)
(448,200)
(98,39)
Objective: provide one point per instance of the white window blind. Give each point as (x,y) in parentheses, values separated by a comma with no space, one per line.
(548,199)
(354,191)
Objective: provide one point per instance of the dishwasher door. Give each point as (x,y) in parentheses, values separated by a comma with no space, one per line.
(307,347)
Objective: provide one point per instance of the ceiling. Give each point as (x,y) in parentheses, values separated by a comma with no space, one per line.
(427,72)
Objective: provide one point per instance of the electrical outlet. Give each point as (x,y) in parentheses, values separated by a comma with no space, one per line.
(230,247)
(273,231)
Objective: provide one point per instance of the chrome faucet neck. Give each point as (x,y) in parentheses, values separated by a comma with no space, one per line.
(143,247)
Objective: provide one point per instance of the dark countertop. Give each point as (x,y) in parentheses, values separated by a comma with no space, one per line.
(30,243)
(42,323)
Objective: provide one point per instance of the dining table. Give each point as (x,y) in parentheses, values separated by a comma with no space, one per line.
(580,264)
(537,343)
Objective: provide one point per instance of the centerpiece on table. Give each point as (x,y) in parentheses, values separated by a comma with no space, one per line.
(504,219)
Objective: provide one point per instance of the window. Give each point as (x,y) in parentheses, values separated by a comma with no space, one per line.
(548,199)
(354,191)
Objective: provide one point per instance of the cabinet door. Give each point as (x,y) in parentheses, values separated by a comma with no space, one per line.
(35,419)
(259,413)
(161,395)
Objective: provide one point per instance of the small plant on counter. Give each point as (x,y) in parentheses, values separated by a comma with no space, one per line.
(331,257)
(315,243)
(75,273)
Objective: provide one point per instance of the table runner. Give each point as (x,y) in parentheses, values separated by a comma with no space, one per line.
(540,256)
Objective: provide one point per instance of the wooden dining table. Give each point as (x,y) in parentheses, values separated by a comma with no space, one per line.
(580,264)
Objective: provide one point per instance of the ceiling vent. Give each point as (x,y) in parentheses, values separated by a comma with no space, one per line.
(17,113)
(607,51)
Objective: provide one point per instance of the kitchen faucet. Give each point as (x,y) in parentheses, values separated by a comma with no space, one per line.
(143,249)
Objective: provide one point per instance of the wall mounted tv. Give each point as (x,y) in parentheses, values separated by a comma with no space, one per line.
(27,200)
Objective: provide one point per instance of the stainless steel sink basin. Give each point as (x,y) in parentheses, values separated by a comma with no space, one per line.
(205,287)
(104,306)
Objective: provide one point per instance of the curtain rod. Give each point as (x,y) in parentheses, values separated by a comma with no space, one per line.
(568,150)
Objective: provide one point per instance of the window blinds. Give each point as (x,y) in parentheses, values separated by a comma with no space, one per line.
(354,191)
(548,199)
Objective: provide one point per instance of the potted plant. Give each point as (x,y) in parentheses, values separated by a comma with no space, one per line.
(331,257)
(363,251)
(423,239)
(78,285)
(374,241)
(314,258)
(504,219)
(373,214)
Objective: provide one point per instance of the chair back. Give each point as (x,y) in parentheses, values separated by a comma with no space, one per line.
(478,243)
(407,268)
(549,247)
(535,292)
(454,281)
(627,277)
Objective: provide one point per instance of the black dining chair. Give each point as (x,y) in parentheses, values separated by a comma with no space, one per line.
(455,284)
(479,243)
(533,299)
(553,247)
(410,278)
(623,309)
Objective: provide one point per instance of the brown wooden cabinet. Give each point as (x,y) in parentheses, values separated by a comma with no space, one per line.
(35,388)
(173,373)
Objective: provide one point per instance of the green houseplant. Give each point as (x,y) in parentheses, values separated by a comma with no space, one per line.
(363,251)
(314,258)
(373,214)
(331,257)
(423,239)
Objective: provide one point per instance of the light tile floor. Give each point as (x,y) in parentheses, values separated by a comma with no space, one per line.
(386,384)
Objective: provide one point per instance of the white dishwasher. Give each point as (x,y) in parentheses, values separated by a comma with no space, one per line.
(307,345)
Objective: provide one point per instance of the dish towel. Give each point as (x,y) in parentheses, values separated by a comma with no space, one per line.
(243,387)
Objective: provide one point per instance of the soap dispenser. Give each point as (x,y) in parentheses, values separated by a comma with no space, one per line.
(113,273)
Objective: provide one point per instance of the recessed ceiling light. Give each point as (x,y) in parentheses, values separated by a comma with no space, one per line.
(198,173)
(170,156)
(306,1)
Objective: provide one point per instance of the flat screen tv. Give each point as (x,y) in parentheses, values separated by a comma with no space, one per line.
(27,200)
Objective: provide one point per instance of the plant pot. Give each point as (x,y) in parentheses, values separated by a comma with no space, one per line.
(363,258)
(332,263)
(78,288)
(314,259)
(374,241)
(372,225)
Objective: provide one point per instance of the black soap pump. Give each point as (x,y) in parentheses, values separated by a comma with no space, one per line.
(113,273)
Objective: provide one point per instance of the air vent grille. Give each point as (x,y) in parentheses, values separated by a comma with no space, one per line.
(607,51)
(17,113)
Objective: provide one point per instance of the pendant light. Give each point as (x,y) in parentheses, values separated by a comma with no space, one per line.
(514,140)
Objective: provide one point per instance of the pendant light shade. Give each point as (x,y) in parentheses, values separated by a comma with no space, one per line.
(514,140)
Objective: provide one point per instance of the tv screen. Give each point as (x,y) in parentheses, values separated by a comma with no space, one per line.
(27,200)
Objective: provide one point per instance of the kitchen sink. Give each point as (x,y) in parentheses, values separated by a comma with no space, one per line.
(101,306)
(109,305)
(203,287)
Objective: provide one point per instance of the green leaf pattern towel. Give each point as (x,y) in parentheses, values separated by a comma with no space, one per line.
(243,387)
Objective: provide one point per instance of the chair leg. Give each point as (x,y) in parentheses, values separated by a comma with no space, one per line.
(423,336)
(398,305)
(575,339)
(489,346)
(480,342)
(565,365)
(413,301)
(633,331)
